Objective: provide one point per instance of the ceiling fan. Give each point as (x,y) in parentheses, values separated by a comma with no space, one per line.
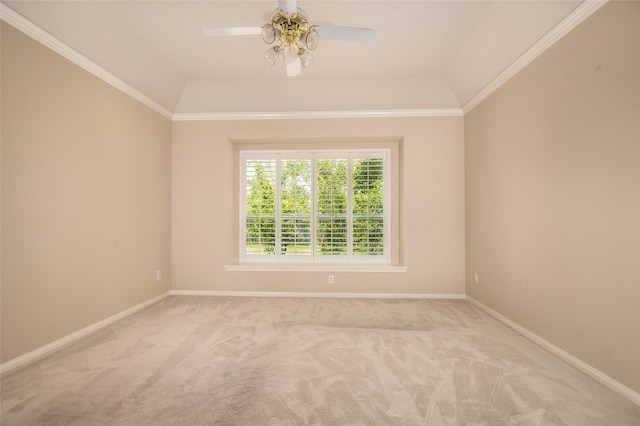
(293,37)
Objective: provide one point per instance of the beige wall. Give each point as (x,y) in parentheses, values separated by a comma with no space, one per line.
(553,201)
(204,216)
(98,192)
(85,198)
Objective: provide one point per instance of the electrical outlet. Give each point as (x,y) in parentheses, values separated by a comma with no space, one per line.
(158,275)
(331,279)
(476,278)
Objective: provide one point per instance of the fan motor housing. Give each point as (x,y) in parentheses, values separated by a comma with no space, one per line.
(291,27)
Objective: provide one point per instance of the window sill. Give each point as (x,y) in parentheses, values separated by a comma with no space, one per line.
(256,267)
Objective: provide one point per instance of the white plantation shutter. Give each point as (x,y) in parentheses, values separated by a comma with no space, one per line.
(260,206)
(314,207)
(331,207)
(368,206)
(295,206)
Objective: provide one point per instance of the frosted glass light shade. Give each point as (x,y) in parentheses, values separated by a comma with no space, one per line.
(306,58)
(271,55)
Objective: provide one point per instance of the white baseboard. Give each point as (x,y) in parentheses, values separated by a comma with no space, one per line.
(567,357)
(43,351)
(317,295)
(597,375)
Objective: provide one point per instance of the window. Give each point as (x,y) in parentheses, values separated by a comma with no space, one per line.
(314,207)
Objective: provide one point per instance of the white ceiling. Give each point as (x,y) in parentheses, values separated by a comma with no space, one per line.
(427,54)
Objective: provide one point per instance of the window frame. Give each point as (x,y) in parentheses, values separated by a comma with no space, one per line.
(314,259)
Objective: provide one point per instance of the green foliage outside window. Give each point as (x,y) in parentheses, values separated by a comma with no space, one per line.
(368,207)
(295,199)
(332,205)
(331,225)
(261,207)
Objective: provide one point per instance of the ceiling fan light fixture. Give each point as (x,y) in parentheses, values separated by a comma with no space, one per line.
(305,57)
(269,33)
(310,38)
(293,37)
(271,54)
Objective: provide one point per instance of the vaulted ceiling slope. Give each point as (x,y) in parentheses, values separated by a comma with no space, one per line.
(427,55)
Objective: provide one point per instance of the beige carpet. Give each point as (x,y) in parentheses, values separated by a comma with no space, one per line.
(288,361)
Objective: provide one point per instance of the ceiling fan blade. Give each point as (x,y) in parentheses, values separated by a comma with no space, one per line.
(347,33)
(232,31)
(289,6)
(294,65)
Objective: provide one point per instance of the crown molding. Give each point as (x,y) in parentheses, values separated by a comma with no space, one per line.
(16,20)
(392,113)
(581,13)
(22,24)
